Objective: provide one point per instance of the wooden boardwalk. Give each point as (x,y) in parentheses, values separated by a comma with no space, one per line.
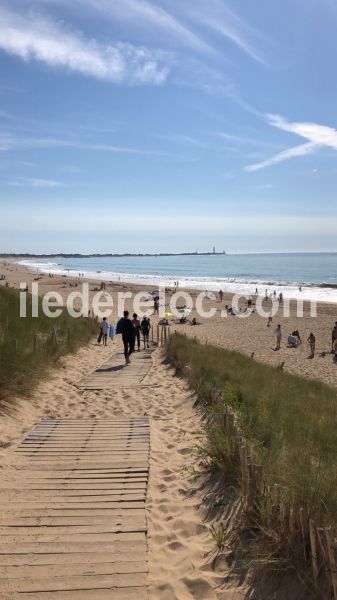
(73,523)
(115,374)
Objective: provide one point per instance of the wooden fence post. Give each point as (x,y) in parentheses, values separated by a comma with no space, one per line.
(313,552)
(331,561)
(152,333)
(157,335)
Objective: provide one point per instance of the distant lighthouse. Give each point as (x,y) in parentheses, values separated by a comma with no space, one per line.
(213,249)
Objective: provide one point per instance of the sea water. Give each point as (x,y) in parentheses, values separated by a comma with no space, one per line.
(315,273)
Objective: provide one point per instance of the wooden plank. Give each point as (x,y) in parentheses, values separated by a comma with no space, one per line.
(115,374)
(71,569)
(127,593)
(120,558)
(74,525)
(85,582)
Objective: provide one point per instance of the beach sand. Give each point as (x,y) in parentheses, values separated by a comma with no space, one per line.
(249,335)
(179,539)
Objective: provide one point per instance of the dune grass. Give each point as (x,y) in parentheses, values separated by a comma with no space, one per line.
(291,422)
(28,346)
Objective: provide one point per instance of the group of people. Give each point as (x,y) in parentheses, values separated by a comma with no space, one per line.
(130,330)
(294,340)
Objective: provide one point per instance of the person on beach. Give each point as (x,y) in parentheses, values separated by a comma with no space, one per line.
(126,328)
(156,307)
(294,339)
(221,295)
(105,331)
(145,328)
(333,337)
(270,318)
(136,324)
(312,343)
(278,335)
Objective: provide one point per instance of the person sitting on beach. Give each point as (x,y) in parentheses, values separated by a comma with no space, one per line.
(294,339)
(296,334)
(163,322)
(194,321)
(278,336)
(145,327)
(312,343)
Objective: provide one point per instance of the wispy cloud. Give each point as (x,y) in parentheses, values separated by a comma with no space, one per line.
(142,13)
(32,37)
(220,19)
(10,142)
(184,140)
(35,183)
(317,136)
(301,150)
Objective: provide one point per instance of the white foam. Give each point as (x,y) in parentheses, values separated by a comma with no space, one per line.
(214,284)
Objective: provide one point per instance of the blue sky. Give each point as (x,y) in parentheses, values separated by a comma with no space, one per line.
(134,125)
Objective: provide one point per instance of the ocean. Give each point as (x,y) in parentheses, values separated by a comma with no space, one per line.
(285,273)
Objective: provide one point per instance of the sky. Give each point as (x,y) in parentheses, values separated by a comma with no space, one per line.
(175,125)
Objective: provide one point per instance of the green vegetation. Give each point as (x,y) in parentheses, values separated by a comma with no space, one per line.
(290,422)
(28,346)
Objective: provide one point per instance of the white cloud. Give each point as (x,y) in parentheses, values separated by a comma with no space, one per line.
(13,142)
(316,136)
(143,13)
(301,150)
(35,183)
(32,37)
(321,135)
(184,139)
(219,18)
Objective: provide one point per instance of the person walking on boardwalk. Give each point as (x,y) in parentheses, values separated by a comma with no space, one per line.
(105,331)
(128,336)
(145,327)
(278,336)
(136,324)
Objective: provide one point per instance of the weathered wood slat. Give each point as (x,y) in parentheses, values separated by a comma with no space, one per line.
(73,523)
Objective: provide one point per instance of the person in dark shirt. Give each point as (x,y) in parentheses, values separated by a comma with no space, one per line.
(128,336)
(145,327)
(136,324)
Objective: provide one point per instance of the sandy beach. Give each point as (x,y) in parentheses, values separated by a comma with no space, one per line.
(179,539)
(248,335)
(180,544)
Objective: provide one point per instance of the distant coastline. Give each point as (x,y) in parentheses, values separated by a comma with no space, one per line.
(110,255)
